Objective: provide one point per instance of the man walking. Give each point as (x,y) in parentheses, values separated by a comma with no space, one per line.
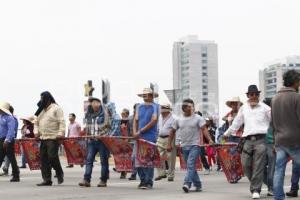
(49,128)
(286,123)
(7,136)
(97,125)
(145,127)
(73,130)
(256,117)
(165,124)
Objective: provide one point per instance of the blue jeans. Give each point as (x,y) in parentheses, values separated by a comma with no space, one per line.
(146,175)
(295,177)
(190,155)
(282,155)
(93,148)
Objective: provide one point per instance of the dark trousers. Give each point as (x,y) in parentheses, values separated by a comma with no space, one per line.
(10,153)
(50,159)
(203,158)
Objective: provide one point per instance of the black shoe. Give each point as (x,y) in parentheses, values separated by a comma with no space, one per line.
(45,183)
(132,178)
(15,179)
(160,177)
(60,179)
(23,167)
(292,193)
(70,166)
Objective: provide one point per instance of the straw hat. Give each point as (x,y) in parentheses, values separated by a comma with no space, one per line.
(234,99)
(166,107)
(148,91)
(4,106)
(29,119)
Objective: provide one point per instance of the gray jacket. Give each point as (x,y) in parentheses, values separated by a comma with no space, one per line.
(286,117)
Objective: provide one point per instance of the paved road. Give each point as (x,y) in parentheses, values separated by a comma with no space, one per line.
(215,186)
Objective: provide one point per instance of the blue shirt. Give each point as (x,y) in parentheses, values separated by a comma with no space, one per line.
(145,112)
(7,127)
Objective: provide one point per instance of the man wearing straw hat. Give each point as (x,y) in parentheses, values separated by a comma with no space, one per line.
(7,135)
(165,123)
(235,105)
(256,117)
(145,127)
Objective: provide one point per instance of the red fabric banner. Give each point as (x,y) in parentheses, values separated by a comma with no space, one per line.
(17,148)
(147,155)
(122,152)
(76,150)
(231,163)
(182,162)
(31,150)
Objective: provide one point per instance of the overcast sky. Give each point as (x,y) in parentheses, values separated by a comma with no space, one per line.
(58,45)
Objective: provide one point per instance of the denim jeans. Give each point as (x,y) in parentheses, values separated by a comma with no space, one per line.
(190,155)
(146,175)
(295,177)
(93,148)
(282,155)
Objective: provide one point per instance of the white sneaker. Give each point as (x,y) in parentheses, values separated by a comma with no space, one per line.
(255,195)
(206,172)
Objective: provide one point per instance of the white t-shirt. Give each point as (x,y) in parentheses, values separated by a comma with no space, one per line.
(188,129)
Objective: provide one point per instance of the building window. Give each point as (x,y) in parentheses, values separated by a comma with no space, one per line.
(204,87)
(204,61)
(204,67)
(298,65)
(204,93)
(291,65)
(205,100)
(204,55)
(204,74)
(204,80)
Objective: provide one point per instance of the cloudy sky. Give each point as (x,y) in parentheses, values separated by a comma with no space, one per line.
(58,45)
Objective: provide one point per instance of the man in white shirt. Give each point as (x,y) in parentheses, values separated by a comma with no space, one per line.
(165,124)
(256,117)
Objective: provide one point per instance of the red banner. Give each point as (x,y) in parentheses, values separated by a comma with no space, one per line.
(31,150)
(231,164)
(182,162)
(17,148)
(122,152)
(147,155)
(76,150)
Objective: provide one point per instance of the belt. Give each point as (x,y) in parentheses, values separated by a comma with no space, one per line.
(255,137)
(163,136)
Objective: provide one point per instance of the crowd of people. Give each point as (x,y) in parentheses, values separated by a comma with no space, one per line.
(266,134)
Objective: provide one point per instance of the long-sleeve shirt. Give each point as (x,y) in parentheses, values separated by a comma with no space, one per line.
(256,120)
(50,123)
(7,127)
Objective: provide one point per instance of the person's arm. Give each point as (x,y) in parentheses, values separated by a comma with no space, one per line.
(171,138)
(11,124)
(205,132)
(36,128)
(135,126)
(61,123)
(236,124)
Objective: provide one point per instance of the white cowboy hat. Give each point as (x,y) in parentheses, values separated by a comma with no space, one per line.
(4,106)
(148,91)
(234,99)
(29,119)
(165,107)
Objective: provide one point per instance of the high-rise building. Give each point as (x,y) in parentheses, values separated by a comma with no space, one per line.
(195,74)
(270,78)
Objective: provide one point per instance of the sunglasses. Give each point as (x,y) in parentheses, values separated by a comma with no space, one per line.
(253,94)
